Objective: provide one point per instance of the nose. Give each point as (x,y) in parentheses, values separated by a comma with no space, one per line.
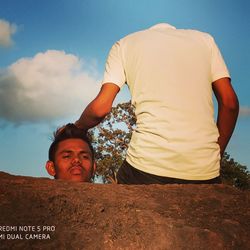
(76,160)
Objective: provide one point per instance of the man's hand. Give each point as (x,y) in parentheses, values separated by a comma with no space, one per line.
(228,109)
(62,128)
(96,111)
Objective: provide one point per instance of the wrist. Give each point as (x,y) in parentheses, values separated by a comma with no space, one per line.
(80,126)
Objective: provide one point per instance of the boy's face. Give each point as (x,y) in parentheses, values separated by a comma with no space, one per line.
(73,161)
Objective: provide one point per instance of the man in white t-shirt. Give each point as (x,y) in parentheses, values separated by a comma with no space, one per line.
(171,74)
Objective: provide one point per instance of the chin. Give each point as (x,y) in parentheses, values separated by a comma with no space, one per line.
(78,179)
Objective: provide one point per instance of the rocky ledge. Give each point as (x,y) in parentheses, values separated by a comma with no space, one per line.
(40,213)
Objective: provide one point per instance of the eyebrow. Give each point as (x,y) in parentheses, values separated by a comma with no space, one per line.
(68,151)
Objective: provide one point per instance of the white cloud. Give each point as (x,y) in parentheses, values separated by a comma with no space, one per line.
(6,31)
(244,111)
(49,86)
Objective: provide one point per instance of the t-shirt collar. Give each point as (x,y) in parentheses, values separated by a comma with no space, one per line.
(161,26)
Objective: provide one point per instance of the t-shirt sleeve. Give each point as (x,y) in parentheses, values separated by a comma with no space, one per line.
(218,66)
(114,70)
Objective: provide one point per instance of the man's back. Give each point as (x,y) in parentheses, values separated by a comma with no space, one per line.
(170,73)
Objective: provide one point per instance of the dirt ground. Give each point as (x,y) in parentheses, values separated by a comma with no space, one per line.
(39,213)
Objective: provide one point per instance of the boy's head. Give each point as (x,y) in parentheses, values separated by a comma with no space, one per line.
(71,156)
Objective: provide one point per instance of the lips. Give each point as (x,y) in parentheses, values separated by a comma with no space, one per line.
(75,170)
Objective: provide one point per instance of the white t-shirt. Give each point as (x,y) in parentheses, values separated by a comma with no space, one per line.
(170,72)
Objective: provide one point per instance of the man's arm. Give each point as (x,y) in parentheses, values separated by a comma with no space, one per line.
(228,109)
(96,111)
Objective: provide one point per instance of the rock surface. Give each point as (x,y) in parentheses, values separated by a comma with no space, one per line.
(93,216)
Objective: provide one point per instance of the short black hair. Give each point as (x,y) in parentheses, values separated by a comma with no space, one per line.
(69,131)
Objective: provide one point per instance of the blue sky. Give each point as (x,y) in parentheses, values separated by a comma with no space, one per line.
(52,56)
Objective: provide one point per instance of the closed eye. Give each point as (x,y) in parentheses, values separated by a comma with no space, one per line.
(66,156)
(85,156)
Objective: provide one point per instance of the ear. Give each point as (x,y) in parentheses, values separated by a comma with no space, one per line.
(94,168)
(50,168)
